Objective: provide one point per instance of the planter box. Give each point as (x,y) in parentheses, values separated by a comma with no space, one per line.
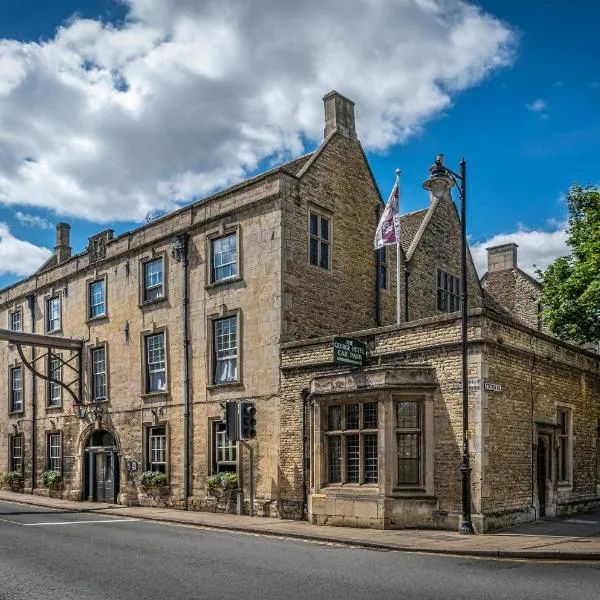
(159,497)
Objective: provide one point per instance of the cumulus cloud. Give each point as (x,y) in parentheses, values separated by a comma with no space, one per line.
(18,257)
(34,221)
(109,122)
(536,247)
(537,106)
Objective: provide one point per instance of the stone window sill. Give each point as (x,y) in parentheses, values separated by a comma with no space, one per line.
(221,282)
(98,319)
(154,395)
(225,384)
(152,303)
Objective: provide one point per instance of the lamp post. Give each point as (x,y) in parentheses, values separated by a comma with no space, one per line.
(441,180)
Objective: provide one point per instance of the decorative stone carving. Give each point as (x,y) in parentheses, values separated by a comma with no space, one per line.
(97,245)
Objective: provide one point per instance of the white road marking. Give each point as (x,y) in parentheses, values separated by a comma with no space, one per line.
(9,521)
(77,522)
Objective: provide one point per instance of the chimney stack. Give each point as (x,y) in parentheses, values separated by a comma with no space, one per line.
(63,244)
(339,115)
(502,257)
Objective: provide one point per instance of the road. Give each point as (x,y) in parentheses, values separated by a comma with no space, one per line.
(46,553)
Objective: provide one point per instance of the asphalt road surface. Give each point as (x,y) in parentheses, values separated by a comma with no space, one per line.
(64,555)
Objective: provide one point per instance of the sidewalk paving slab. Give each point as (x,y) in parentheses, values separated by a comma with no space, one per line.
(498,545)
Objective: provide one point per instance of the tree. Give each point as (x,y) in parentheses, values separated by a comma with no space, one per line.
(571,284)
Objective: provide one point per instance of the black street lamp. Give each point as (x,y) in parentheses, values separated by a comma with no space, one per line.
(441,180)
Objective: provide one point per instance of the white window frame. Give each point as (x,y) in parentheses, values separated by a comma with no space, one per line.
(224,451)
(93,302)
(53,314)
(155,284)
(11,324)
(156,458)
(155,363)
(54,389)
(54,449)
(16,393)
(228,352)
(13,458)
(232,263)
(318,239)
(99,391)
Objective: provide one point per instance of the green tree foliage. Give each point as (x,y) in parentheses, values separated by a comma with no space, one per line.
(571,284)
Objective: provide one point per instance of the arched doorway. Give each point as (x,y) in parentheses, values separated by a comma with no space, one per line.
(101,467)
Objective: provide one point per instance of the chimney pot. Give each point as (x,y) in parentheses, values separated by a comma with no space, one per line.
(339,115)
(502,257)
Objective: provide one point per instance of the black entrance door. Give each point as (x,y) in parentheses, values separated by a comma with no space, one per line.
(101,468)
(541,476)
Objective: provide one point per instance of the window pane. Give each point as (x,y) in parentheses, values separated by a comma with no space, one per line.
(324,228)
(15,321)
(314,224)
(314,251)
(98,374)
(16,389)
(54,462)
(97,299)
(225,349)
(156,363)
(352,416)
(408,458)
(334,459)
(54,390)
(225,451)
(352,459)
(224,257)
(153,280)
(53,314)
(370,454)
(370,415)
(16,453)
(408,414)
(157,449)
(324,264)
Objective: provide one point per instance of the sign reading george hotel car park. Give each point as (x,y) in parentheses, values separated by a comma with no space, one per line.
(347,351)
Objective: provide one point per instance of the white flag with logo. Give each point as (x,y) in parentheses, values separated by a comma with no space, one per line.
(388,230)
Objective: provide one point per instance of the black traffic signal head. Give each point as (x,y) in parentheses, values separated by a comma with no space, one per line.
(231,421)
(247,420)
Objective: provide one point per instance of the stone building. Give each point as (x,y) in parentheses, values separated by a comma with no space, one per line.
(239,297)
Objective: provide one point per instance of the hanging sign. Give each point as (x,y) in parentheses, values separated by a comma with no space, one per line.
(348,351)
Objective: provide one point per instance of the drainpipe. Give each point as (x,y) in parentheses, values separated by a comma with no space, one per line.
(377,267)
(180,254)
(31,305)
(304,395)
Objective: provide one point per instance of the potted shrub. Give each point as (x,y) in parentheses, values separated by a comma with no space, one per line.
(51,480)
(222,484)
(14,480)
(153,479)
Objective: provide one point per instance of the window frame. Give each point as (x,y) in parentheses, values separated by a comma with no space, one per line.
(11,396)
(92,350)
(11,315)
(90,283)
(217,434)
(320,241)
(564,443)
(145,363)
(213,280)
(384,272)
(148,449)
(213,320)
(47,320)
(49,387)
(50,446)
(448,291)
(162,257)
(11,449)
(343,434)
(407,431)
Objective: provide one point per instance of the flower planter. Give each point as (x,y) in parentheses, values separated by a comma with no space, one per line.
(154,496)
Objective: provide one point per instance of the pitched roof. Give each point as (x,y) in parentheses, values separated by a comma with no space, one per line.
(409,226)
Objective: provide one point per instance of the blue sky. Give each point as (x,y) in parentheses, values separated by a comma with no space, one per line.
(521,105)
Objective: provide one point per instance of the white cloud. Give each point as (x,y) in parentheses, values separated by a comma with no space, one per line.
(18,257)
(109,123)
(535,247)
(34,221)
(537,106)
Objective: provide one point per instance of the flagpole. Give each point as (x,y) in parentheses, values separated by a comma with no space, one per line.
(398,258)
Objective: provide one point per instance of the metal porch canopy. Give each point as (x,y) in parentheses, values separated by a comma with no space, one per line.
(50,343)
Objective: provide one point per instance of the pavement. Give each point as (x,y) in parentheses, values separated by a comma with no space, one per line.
(572,538)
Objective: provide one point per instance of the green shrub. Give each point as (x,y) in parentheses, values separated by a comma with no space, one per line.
(153,479)
(224,481)
(51,478)
(13,478)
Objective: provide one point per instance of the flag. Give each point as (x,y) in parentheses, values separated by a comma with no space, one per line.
(388,229)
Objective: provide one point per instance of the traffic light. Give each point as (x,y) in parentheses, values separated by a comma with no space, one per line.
(247,420)
(231,421)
